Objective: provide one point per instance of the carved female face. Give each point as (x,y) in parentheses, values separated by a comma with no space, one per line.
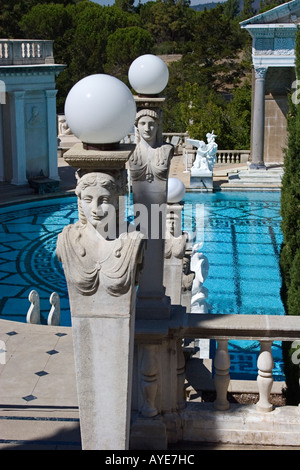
(147,127)
(98,204)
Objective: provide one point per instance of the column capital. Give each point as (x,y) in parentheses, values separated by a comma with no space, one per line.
(51,93)
(260,72)
(19,95)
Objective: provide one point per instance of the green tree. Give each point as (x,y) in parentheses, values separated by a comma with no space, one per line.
(12,11)
(123,46)
(212,56)
(93,27)
(290,252)
(239,115)
(169,22)
(266,5)
(125,5)
(231,8)
(247,10)
(202,110)
(80,31)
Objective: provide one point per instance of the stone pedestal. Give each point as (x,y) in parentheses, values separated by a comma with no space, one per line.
(201,180)
(175,246)
(158,386)
(101,274)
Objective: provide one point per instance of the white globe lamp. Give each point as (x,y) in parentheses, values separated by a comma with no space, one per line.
(148,75)
(100,110)
(176,190)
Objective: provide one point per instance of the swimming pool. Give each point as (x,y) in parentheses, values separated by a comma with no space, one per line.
(241,234)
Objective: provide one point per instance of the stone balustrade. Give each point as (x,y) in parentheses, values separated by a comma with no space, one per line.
(25,52)
(263,328)
(222,328)
(233,156)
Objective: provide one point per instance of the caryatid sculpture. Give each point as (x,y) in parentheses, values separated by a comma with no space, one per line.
(98,260)
(149,167)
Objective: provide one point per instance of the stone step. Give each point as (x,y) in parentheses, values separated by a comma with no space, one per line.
(256,176)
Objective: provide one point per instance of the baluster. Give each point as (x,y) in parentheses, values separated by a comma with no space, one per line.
(265,365)
(33,314)
(54,314)
(222,377)
(149,377)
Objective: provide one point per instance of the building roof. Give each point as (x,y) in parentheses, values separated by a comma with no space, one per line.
(288,12)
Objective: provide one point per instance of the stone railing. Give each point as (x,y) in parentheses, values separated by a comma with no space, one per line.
(25,52)
(233,156)
(222,327)
(263,328)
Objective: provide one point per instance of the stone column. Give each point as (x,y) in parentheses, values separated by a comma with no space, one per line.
(258,120)
(18,139)
(52,133)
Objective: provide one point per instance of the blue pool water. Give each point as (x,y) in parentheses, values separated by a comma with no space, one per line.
(241,238)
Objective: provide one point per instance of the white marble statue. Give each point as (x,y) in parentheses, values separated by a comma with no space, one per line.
(151,159)
(199,294)
(93,257)
(206,153)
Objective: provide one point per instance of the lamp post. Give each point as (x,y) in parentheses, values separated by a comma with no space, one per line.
(158,360)
(149,168)
(101,260)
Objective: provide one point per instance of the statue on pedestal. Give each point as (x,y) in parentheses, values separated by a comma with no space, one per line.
(206,153)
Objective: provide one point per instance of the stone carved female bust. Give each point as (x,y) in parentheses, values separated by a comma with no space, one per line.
(151,157)
(92,256)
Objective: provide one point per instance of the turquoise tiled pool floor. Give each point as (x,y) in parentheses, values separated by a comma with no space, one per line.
(28,234)
(241,235)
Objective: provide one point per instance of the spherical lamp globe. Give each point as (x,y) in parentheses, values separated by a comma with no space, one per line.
(148,75)
(100,109)
(176,190)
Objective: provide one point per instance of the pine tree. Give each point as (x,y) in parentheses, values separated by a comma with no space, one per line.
(290,252)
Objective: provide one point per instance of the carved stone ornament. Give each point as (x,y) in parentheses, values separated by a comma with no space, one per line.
(86,272)
(260,73)
(90,260)
(151,158)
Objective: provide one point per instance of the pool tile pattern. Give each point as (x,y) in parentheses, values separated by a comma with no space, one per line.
(241,237)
